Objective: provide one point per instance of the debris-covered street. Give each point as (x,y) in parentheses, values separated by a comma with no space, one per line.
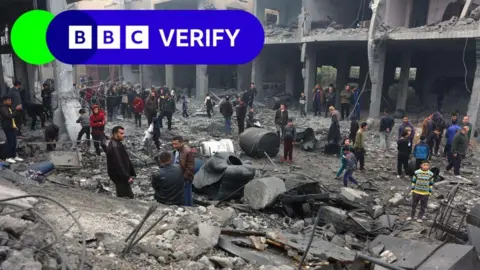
(270,225)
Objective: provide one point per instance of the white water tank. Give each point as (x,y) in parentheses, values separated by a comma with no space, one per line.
(209,148)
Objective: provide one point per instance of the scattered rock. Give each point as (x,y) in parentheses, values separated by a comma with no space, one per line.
(170,234)
(354,195)
(133,222)
(209,233)
(192,246)
(21,260)
(396,199)
(224,262)
(261,192)
(13,225)
(298,226)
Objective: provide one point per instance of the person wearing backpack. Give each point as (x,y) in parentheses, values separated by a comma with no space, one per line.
(351,162)
(421,152)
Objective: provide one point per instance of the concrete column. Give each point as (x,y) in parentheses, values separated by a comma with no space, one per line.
(408,13)
(473,105)
(258,68)
(259,10)
(170,76)
(68,105)
(343,71)
(290,80)
(2,79)
(244,76)
(310,74)
(378,66)
(403,82)
(202,82)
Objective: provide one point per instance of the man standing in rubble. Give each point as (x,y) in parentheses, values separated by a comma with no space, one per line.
(120,168)
(386,126)
(47,100)
(281,120)
(252,94)
(16,98)
(346,99)
(226,109)
(317,100)
(329,99)
(184,156)
(459,150)
(241,111)
(97,126)
(9,126)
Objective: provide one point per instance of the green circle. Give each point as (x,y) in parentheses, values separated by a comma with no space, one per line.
(29,37)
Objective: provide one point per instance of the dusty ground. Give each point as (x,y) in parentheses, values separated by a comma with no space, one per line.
(103,213)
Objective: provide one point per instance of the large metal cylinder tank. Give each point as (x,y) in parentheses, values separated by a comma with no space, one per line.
(255,142)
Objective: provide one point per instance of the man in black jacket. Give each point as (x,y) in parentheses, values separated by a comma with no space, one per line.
(167,110)
(119,167)
(281,120)
(241,112)
(386,126)
(459,150)
(226,109)
(10,128)
(168,182)
(47,100)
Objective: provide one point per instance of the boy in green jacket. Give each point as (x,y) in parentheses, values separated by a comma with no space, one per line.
(343,161)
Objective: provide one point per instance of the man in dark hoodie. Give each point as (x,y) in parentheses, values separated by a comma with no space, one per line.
(281,120)
(252,92)
(168,182)
(97,126)
(168,109)
(459,150)
(403,156)
(226,109)
(406,123)
(436,123)
(150,107)
(386,127)
(119,167)
(15,94)
(241,111)
(47,99)
(9,126)
(329,99)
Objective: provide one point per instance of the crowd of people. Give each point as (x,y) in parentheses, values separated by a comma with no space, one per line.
(173,182)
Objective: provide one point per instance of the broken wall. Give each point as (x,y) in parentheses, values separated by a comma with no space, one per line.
(449,64)
(437,9)
(288,10)
(343,12)
(398,12)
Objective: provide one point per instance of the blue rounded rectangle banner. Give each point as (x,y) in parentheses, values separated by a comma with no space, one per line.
(155,37)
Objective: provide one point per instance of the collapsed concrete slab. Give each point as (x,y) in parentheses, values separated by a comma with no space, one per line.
(354,195)
(259,193)
(413,254)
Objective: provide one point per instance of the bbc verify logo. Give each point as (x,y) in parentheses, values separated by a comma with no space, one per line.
(80,37)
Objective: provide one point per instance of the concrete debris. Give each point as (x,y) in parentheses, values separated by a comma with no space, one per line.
(225,233)
(210,233)
(262,192)
(396,199)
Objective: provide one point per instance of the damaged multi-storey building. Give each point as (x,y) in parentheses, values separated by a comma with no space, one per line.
(433,43)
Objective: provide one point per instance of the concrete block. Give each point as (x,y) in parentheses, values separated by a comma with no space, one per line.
(209,233)
(354,195)
(259,193)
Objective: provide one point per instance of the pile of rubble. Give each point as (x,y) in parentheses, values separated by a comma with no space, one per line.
(270,225)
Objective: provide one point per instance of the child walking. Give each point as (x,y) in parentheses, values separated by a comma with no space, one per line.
(403,156)
(343,161)
(422,184)
(84,121)
(303,101)
(290,135)
(351,163)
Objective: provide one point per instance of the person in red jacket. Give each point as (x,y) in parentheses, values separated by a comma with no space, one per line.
(97,125)
(138,107)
